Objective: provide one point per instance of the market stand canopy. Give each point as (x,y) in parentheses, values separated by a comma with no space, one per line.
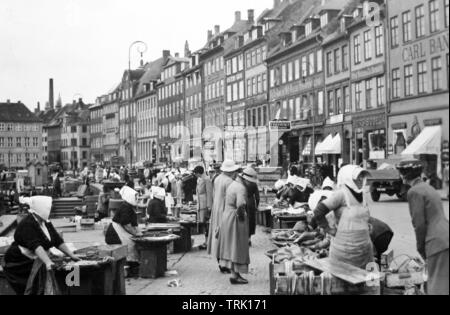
(428,142)
(332,147)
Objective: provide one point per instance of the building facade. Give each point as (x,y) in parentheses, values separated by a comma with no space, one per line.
(20,136)
(418,80)
(96,132)
(171,109)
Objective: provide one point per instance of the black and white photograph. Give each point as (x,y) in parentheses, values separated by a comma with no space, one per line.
(224,153)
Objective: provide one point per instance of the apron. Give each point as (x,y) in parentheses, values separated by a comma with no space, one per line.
(125,238)
(352,244)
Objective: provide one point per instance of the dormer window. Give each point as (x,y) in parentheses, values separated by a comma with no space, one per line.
(324,20)
(356,13)
(308,29)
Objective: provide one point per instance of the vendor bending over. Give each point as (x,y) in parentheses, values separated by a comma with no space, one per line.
(352,243)
(33,238)
(125,226)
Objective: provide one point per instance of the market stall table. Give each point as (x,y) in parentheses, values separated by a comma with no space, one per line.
(182,229)
(153,254)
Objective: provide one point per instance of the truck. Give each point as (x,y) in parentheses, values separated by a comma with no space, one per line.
(387,180)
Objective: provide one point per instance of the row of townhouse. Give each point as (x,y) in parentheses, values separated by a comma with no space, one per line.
(356,81)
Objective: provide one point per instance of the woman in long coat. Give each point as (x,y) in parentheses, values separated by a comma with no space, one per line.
(234,232)
(221,184)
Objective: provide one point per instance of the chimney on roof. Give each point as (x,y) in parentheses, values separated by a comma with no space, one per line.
(177,55)
(276,3)
(187,51)
(217,30)
(210,35)
(251,16)
(166,54)
(237,16)
(51,97)
(38,107)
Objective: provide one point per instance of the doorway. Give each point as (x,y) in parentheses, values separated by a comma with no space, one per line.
(294,149)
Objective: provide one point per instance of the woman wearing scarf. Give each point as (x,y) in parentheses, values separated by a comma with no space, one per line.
(352,243)
(157,210)
(125,226)
(33,238)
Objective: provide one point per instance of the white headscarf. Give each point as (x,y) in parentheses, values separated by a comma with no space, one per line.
(347,176)
(40,205)
(328,183)
(129,195)
(158,193)
(315,198)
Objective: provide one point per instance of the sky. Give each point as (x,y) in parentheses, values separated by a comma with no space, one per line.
(83,44)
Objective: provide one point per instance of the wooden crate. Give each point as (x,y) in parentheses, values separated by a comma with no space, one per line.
(308,282)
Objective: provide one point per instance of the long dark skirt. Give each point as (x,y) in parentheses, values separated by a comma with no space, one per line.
(438,269)
(17,275)
(252,220)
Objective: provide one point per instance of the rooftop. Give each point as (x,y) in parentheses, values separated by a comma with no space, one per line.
(17,113)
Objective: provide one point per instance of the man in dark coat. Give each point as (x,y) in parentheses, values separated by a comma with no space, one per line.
(430,224)
(251,184)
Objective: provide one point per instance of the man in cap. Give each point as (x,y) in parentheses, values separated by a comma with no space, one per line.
(229,172)
(430,224)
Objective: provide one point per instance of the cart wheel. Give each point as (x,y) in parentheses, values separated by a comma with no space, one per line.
(375,195)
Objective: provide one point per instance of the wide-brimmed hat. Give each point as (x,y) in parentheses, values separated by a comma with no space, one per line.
(250,175)
(229,167)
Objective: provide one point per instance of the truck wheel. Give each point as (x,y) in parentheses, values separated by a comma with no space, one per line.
(375,195)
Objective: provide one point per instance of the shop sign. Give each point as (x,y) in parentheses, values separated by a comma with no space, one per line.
(283,126)
(428,47)
(433,122)
(336,119)
(399,126)
(370,122)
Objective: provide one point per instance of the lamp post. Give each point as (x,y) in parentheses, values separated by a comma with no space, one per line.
(142,48)
(312,107)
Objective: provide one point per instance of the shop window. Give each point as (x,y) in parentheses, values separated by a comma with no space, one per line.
(399,141)
(377,144)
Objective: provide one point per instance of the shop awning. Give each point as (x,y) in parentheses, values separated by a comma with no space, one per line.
(324,145)
(428,142)
(334,146)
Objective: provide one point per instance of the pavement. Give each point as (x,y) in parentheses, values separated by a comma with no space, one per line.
(198,273)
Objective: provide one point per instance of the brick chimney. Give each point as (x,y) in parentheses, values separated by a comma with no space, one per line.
(166,54)
(216,30)
(251,16)
(237,16)
(51,96)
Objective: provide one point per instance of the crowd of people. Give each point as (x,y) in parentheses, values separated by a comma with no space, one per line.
(227,197)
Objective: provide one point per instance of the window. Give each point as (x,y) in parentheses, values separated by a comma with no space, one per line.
(446,11)
(73,142)
(395,83)
(330,103)
(329,63)
(345,58)
(248,60)
(357,46)
(241,90)
(260,86)
(304,67)
(2,127)
(254,86)
(434,16)
(338,101)
(311,63)
(337,60)
(18,142)
(394,32)
(2,142)
(367,45)
(358,96)
(379,41)
(369,94)
(319,60)
(291,109)
(10,142)
(407,26)
(320,100)
(409,88)
(421,77)
(297,69)
(272,78)
(264,82)
(73,129)
(241,62)
(290,71)
(249,87)
(347,107)
(436,73)
(298,109)
(283,74)
(380,92)
(84,142)
(324,20)
(420,21)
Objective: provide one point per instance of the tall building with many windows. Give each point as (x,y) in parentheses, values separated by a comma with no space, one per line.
(418,68)
(20,136)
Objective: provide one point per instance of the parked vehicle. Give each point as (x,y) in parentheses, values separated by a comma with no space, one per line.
(387,181)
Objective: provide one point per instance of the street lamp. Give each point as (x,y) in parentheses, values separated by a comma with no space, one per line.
(142,48)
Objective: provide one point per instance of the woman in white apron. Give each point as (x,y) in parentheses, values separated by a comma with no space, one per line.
(33,239)
(125,226)
(352,243)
